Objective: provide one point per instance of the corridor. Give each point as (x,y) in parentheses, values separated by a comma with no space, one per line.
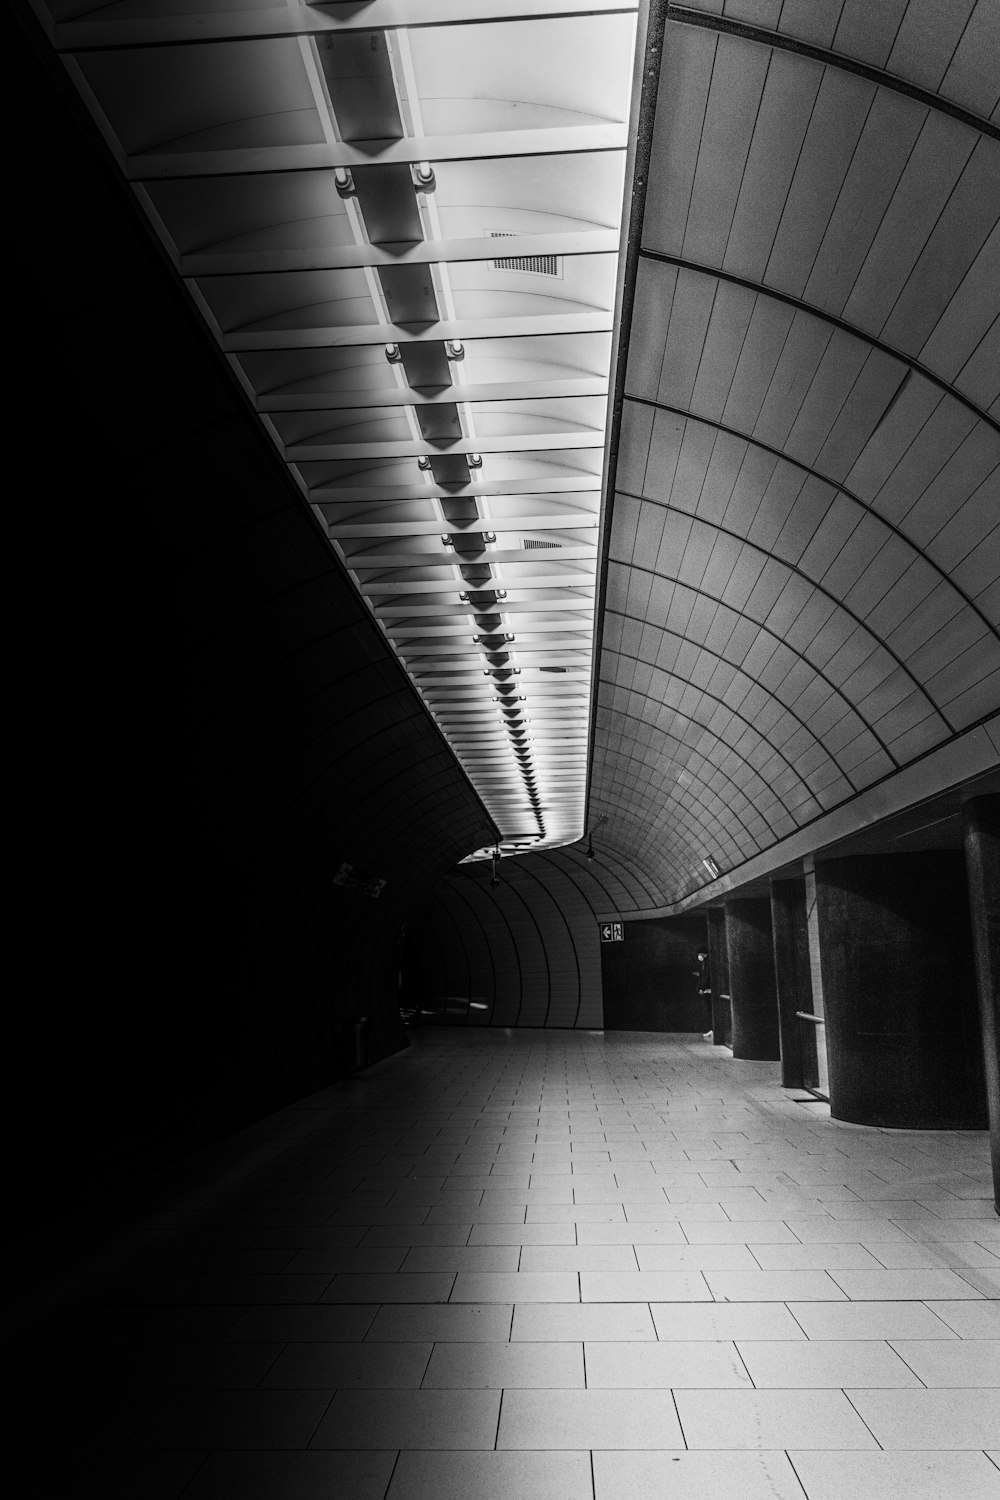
(530,1266)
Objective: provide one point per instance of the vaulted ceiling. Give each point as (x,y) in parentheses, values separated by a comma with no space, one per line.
(803,538)
(790,521)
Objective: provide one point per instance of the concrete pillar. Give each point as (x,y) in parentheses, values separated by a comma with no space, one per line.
(981,827)
(718,961)
(899,992)
(751,979)
(791,969)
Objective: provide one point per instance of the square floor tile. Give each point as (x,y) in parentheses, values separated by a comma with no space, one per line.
(578,1258)
(496,1366)
(233,1419)
(449,1323)
(398,1288)
(602,1418)
(970,1320)
(416,1234)
(837,1363)
(963,1255)
(816,1257)
(869,1320)
(644,1286)
(770,1232)
(330,1325)
(348,1366)
(898,1286)
(523,1234)
(844,1231)
(931,1419)
(630,1234)
(584,1321)
(951,1362)
(705,1364)
(410,1419)
(516,1286)
(490,1476)
(773,1286)
(279,1476)
(771,1419)
(695,1476)
(695,1258)
(897,1476)
(438,1258)
(724,1320)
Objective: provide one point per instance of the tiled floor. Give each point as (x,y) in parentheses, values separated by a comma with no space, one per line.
(529,1266)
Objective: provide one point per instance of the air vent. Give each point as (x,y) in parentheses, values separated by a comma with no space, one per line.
(539,265)
(530,545)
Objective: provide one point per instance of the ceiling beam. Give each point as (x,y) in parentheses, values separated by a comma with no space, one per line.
(240,340)
(570,487)
(522,525)
(532,442)
(249,23)
(447,558)
(418,586)
(392,396)
(484,145)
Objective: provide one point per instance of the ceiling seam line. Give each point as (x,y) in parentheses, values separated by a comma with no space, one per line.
(665,733)
(799,573)
(745,31)
(801,722)
(824,479)
(759,288)
(630,254)
(782,641)
(696,833)
(751,131)
(775,750)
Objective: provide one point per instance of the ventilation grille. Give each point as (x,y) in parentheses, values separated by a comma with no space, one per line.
(530,545)
(540,265)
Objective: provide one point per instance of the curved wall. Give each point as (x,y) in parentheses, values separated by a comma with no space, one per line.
(524,953)
(800,603)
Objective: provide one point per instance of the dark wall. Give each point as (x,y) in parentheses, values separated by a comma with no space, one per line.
(902,1019)
(752,983)
(523,953)
(210,723)
(649,979)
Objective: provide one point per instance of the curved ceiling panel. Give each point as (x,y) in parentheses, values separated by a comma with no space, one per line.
(401,220)
(803,540)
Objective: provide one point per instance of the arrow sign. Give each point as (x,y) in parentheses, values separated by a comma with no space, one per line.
(612,932)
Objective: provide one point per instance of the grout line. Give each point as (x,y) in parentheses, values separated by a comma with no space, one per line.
(796,1473)
(793,1317)
(847,1398)
(673,1397)
(743,1362)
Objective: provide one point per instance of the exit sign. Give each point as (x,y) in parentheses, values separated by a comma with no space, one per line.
(612,932)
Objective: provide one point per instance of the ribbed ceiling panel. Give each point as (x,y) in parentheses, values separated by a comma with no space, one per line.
(804,537)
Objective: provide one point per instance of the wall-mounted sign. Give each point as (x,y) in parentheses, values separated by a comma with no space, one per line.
(359,880)
(612,932)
